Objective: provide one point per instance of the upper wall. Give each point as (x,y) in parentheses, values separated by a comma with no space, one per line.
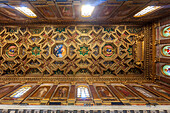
(162,47)
(75,50)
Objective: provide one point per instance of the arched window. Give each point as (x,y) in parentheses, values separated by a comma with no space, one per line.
(144,92)
(82,92)
(20,92)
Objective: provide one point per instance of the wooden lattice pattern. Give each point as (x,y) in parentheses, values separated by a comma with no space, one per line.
(70,50)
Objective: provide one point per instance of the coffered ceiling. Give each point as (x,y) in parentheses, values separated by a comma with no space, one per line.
(68,11)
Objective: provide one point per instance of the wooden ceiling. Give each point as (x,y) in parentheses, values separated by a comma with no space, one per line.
(68,11)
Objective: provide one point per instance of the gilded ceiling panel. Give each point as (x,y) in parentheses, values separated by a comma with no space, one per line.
(71,51)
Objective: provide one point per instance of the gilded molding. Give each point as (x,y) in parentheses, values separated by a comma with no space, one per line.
(148,51)
(73,80)
(157,59)
(157,42)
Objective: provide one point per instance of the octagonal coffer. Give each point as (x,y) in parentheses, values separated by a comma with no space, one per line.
(59,50)
(108,50)
(10,50)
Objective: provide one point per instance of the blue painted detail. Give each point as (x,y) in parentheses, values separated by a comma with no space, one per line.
(5,1)
(61,0)
(109,50)
(117,103)
(32,0)
(55,103)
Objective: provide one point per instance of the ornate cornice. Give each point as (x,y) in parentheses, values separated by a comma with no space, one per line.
(60,22)
(148,51)
(74,79)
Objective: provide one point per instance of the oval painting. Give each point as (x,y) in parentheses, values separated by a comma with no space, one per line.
(166,70)
(12,51)
(166,31)
(166,51)
(108,51)
(59,50)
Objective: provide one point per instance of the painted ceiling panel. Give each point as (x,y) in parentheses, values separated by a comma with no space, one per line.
(70,11)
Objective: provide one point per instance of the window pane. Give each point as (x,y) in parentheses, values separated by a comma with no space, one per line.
(82,92)
(20,92)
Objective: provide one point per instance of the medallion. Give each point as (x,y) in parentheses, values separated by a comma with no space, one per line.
(59,50)
(108,51)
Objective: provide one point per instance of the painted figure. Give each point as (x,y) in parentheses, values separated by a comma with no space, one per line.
(41,92)
(62,92)
(103,92)
(66,11)
(59,50)
(125,91)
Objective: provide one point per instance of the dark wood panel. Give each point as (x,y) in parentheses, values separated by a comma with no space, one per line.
(154,91)
(72,92)
(94,93)
(165,60)
(166,80)
(50,92)
(115,92)
(10,90)
(166,41)
(109,11)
